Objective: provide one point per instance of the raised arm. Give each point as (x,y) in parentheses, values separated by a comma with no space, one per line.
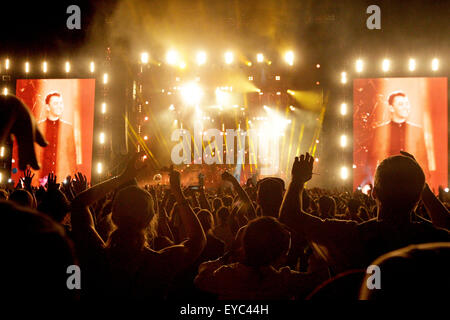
(439,214)
(185,254)
(243,196)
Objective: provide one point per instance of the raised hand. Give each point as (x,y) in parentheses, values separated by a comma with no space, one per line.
(18,120)
(302,168)
(226,176)
(79,183)
(27,178)
(175,181)
(131,170)
(51,182)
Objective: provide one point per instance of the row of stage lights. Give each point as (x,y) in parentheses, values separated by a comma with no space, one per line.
(386,66)
(173,58)
(66,67)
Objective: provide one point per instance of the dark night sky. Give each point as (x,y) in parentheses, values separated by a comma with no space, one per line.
(319,27)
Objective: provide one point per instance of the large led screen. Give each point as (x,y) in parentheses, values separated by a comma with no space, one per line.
(393,114)
(64,110)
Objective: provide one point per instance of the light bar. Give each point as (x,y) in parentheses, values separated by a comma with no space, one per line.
(103,108)
(344,173)
(105,78)
(99,167)
(5,91)
(102,138)
(2,152)
(343,108)
(44,67)
(343,141)
(260,57)
(201,58)
(67,67)
(229,57)
(289,57)
(7,64)
(435,64)
(386,65)
(359,65)
(27,67)
(344,77)
(412,64)
(92,67)
(172,57)
(144,57)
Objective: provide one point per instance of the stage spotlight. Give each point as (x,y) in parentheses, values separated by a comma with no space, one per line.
(318,66)
(249,63)
(1,177)
(191,93)
(289,57)
(2,152)
(146,138)
(260,57)
(446,189)
(105,78)
(103,108)
(99,167)
(290,92)
(229,57)
(435,64)
(67,66)
(344,77)
(92,67)
(250,78)
(278,93)
(359,65)
(354,166)
(5,91)
(344,173)
(172,57)
(343,108)
(182,65)
(27,67)
(292,108)
(343,141)
(201,58)
(144,57)
(171,107)
(386,65)
(146,118)
(7,64)
(102,138)
(277,78)
(412,65)
(44,67)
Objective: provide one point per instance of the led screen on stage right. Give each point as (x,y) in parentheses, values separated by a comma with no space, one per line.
(393,114)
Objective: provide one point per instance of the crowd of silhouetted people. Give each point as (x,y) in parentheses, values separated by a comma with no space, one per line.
(259,241)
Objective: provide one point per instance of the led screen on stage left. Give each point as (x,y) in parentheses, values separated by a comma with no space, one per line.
(64,110)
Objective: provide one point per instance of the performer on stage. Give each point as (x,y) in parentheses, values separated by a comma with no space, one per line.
(60,155)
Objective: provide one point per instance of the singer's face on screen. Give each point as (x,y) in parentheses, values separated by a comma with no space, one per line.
(55,107)
(400,107)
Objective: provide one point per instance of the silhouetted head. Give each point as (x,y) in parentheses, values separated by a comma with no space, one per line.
(227,201)
(3,194)
(217,203)
(132,212)
(55,204)
(270,195)
(22,197)
(223,214)
(327,207)
(353,206)
(206,219)
(398,184)
(265,242)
